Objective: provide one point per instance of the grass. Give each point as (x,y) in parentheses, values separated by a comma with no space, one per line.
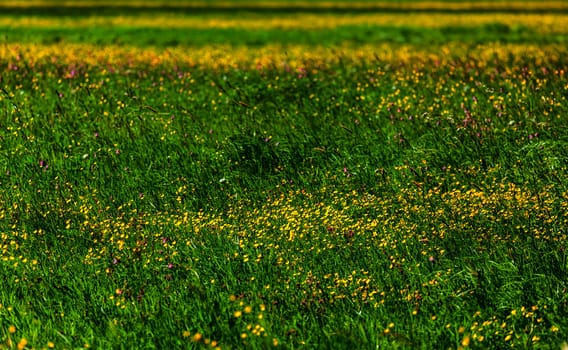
(269,7)
(315,192)
(242,37)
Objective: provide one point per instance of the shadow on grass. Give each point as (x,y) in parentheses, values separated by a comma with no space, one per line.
(275,9)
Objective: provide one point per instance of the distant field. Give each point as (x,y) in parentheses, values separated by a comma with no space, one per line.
(309,5)
(251,28)
(257,174)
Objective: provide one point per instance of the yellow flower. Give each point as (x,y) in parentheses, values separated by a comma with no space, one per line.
(22,344)
(238,313)
(465,341)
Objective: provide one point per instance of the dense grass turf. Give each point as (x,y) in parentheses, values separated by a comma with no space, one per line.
(237,36)
(257,188)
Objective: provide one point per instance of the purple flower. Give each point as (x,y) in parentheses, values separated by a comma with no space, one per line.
(43,164)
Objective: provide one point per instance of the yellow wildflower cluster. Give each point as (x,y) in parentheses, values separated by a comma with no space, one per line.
(19,343)
(274,56)
(541,23)
(291,224)
(250,320)
(198,338)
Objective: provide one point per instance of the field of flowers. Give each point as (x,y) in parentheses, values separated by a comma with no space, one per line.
(257,174)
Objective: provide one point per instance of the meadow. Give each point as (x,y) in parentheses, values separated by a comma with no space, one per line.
(289,174)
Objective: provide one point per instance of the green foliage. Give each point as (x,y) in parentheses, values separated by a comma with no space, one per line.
(163,37)
(415,204)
